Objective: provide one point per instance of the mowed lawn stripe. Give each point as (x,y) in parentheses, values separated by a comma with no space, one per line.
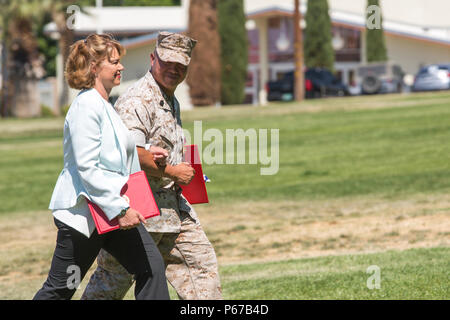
(409,274)
(329,154)
(334,154)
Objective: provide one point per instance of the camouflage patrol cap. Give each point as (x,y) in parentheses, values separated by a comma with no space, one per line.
(175,47)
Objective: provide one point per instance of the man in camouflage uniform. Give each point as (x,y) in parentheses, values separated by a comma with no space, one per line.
(152,113)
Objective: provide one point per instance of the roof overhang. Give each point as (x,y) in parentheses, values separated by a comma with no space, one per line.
(144,40)
(270,13)
(141,21)
(126,20)
(440,36)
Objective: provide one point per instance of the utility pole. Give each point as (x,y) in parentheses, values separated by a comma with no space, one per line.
(299,89)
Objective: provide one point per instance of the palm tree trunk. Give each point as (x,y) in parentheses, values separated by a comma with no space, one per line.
(3,97)
(66,39)
(4,105)
(204,79)
(25,67)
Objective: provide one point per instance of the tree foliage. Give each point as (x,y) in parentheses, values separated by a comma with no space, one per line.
(318,49)
(234,50)
(375,41)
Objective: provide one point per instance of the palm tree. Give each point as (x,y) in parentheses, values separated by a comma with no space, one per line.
(66,36)
(22,63)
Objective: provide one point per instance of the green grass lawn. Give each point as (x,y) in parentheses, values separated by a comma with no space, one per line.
(411,274)
(406,275)
(383,147)
(387,152)
(337,154)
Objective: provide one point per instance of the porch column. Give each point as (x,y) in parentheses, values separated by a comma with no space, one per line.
(262,26)
(363,47)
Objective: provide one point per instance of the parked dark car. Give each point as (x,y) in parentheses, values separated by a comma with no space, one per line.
(318,83)
(433,77)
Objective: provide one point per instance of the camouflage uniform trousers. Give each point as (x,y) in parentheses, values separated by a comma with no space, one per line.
(191,267)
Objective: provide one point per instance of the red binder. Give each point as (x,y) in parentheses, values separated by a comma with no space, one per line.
(138,194)
(195,192)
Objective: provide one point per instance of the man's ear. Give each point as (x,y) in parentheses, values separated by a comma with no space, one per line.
(152,58)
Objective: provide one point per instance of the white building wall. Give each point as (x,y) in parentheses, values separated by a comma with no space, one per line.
(416,12)
(136,63)
(412,54)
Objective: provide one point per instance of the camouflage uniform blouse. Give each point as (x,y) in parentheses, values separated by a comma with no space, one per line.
(153,119)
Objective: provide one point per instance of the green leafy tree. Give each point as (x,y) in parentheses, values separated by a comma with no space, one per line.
(234,50)
(375,41)
(318,48)
(48,47)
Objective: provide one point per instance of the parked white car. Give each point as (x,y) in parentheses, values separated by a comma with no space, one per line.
(433,77)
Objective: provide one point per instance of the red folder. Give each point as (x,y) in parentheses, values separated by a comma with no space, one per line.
(138,194)
(195,192)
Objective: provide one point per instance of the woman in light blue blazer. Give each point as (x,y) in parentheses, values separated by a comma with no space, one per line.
(99,155)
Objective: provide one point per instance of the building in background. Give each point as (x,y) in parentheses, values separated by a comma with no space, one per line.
(417,33)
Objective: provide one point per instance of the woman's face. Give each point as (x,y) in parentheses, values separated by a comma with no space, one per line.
(109,71)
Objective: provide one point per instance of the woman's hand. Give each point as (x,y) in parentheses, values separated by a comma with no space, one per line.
(131,219)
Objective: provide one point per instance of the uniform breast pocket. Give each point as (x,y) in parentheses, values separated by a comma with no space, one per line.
(162,142)
(166,142)
(165,133)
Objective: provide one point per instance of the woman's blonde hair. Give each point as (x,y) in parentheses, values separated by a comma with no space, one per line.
(95,48)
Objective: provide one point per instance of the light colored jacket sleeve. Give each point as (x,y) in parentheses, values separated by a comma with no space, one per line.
(102,186)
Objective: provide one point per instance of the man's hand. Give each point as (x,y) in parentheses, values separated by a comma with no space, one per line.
(131,219)
(181,174)
(148,161)
(159,155)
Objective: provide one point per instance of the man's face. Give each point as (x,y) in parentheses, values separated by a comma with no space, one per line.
(168,74)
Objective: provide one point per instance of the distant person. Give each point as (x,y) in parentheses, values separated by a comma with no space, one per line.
(152,113)
(99,155)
